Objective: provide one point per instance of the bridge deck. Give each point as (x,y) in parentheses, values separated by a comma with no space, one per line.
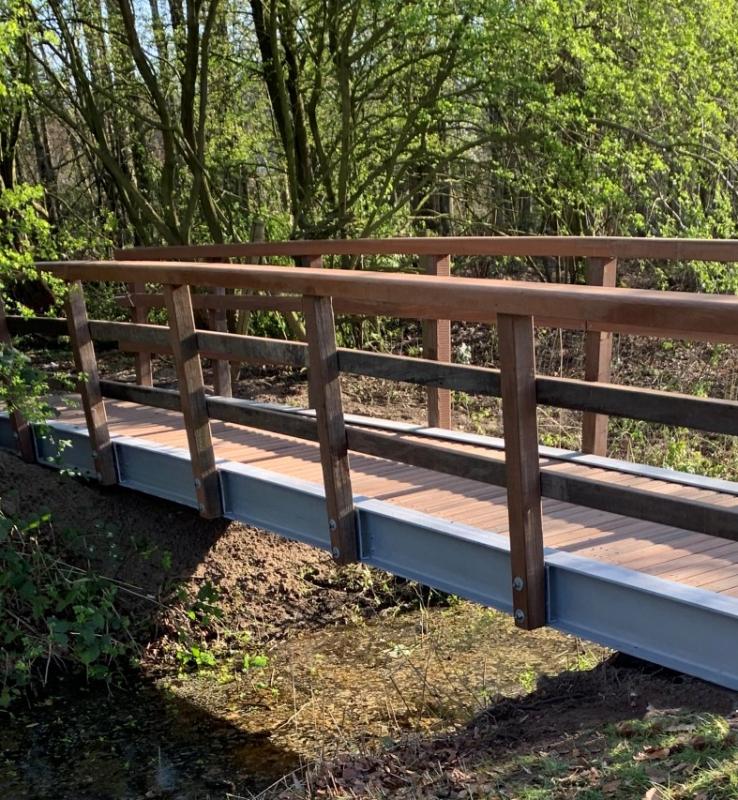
(691,559)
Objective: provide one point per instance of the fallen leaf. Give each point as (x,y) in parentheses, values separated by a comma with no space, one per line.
(654,793)
(699,743)
(626,729)
(611,787)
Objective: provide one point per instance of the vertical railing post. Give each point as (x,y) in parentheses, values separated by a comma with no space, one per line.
(89,385)
(437,347)
(22,433)
(142,361)
(221,368)
(517,374)
(326,391)
(598,359)
(315,262)
(192,394)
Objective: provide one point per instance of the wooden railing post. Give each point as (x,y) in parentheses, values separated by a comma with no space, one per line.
(221,368)
(437,347)
(192,393)
(89,386)
(326,391)
(315,262)
(22,433)
(598,359)
(522,467)
(140,314)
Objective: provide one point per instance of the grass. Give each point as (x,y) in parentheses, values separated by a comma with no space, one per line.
(669,755)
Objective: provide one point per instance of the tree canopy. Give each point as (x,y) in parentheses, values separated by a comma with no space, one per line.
(179,121)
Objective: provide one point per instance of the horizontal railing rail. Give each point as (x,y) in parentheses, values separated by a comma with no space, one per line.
(652,313)
(724,250)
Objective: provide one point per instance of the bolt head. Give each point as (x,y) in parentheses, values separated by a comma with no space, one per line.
(336,552)
(332,524)
(94,453)
(15,436)
(518,584)
(201,507)
(99,476)
(520,615)
(198,484)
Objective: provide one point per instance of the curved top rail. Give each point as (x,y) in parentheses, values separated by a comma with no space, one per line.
(432,297)
(725,250)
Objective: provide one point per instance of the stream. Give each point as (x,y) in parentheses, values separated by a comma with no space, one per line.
(234,729)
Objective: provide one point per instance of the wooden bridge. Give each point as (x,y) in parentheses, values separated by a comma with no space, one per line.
(641,559)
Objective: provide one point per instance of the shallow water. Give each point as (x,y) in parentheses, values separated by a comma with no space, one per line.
(234,731)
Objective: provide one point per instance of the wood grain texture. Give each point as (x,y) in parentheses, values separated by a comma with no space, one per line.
(22,433)
(437,347)
(598,359)
(192,398)
(430,297)
(220,367)
(142,360)
(89,386)
(517,371)
(324,380)
(725,250)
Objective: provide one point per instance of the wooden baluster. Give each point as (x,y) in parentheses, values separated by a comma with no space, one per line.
(89,386)
(221,367)
(22,433)
(598,359)
(326,389)
(437,347)
(192,395)
(142,361)
(314,262)
(517,373)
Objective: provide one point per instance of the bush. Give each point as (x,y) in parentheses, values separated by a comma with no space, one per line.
(53,613)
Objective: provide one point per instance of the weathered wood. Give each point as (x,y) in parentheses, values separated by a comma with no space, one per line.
(254,349)
(630,501)
(422,296)
(427,456)
(135,333)
(458,377)
(89,386)
(221,369)
(725,250)
(437,347)
(649,405)
(143,395)
(142,360)
(517,373)
(326,390)
(252,416)
(598,359)
(37,326)
(192,396)
(22,433)
(226,302)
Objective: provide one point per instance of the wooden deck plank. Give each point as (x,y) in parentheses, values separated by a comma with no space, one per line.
(674,554)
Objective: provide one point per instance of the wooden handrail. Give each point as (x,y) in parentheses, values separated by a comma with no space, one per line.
(430,297)
(724,250)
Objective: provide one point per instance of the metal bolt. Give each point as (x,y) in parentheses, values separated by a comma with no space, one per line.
(520,615)
(518,584)
(201,507)
(197,483)
(99,476)
(15,436)
(94,453)
(336,552)
(332,524)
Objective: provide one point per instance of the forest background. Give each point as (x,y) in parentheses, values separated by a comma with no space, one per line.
(133,122)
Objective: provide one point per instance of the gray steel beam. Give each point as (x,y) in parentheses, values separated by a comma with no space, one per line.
(677,626)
